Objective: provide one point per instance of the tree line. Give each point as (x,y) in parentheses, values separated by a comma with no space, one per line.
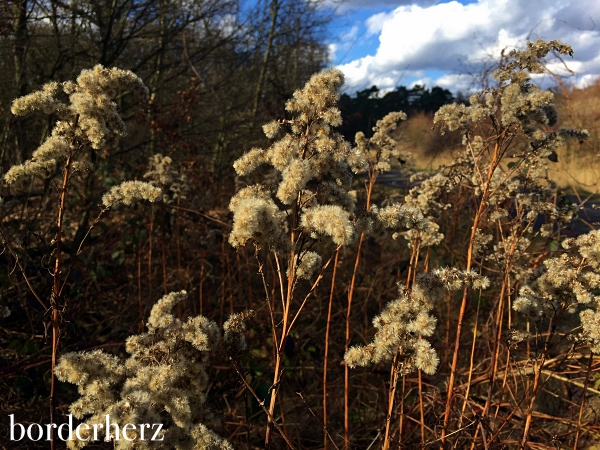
(214,67)
(362,110)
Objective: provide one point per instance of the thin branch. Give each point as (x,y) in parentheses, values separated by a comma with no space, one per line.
(261,403)
(323,426)
(7,245)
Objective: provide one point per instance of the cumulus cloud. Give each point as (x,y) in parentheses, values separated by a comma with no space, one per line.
(375,23)
(452,40)
(358,4)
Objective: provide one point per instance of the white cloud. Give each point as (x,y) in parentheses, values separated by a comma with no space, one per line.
(375,23)
(454,82)
(586,81)
(452,38)
(332,51)
(342,6)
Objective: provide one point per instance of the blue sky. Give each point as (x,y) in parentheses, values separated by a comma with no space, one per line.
(403,42)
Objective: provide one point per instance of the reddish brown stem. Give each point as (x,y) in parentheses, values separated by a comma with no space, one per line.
(463,303)
(391,395)
(401,414)
(150,232)
(55,303)
(287,302)
(372,179)
(585,385)
(420,374)
(325,359)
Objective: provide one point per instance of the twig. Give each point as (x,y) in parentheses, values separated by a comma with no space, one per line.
(7,245)
(585,386)
(261,403)
(206,216)
(323,426)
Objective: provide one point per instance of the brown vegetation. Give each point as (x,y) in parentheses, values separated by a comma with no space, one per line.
(506,378)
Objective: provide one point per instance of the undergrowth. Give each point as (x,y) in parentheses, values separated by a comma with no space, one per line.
(322,310)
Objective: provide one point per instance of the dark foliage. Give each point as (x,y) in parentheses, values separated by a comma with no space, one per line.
(361,111)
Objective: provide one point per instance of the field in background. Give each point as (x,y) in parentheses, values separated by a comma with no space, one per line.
(578,167)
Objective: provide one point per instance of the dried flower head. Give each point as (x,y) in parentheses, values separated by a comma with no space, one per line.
(567,283)
(164,380)
(129,192)
(89,119)
(313,192)
(162,175)
(234,339)
(405,321)
(382,147)
(308,263)
(260,220)
(329,220)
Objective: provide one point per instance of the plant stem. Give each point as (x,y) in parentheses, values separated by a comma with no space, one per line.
(585,385)
(287,302)
(372,179)
(463,304)
(55,302)
(325,359)
(391,395)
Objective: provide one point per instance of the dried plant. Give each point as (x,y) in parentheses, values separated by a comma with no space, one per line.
(162,175)
(494,312)
(163,381)
(378,150)
(88,122)
(87,118)
(513,195)
(313,198)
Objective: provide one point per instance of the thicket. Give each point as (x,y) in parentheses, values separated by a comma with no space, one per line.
(484,314)
(362,110)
